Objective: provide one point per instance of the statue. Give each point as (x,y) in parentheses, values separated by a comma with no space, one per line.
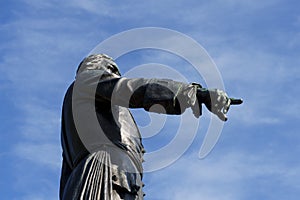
(102,147)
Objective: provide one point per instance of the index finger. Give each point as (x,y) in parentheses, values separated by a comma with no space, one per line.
(234,101)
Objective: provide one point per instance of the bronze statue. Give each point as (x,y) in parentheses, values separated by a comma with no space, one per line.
(102,147)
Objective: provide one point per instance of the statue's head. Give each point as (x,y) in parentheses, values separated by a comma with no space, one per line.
(99,62)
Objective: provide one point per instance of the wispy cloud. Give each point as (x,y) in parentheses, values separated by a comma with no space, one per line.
(46,155)
(223,177)
(37,151)
(40,123)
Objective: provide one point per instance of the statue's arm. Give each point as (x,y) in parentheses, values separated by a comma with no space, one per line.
(170,97)
(173,96)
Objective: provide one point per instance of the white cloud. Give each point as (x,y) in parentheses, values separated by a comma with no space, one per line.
(40,135)
(96,7)
(222,177)
(46,154)
(40,123)
(41,4)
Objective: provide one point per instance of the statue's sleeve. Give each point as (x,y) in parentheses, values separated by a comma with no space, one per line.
(155,95)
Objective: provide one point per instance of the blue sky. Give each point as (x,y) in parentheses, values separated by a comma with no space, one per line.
(255,45)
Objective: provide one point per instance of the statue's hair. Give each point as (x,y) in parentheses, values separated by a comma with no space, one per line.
(98,61)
